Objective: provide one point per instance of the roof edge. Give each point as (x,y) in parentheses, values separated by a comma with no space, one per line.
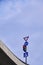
(10,54)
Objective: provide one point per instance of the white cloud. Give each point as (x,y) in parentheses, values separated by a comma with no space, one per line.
(9,9)
(12,8)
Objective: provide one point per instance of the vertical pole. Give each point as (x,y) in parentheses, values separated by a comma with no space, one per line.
(26,56)
(26,60)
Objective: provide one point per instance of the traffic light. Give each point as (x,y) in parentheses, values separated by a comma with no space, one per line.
(24,48)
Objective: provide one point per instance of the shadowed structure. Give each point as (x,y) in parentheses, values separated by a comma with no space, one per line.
(4,59)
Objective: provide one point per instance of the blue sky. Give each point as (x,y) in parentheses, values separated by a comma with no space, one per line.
(19,18)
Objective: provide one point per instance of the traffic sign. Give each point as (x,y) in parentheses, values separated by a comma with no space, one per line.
(26,43)
(26,38)
(26,54)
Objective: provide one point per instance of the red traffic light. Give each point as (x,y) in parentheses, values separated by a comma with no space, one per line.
(24,48)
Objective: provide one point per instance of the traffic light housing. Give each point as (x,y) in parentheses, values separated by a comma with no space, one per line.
(24,48)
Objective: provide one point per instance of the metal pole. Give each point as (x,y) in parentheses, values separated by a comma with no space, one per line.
(26,60)
(26,56)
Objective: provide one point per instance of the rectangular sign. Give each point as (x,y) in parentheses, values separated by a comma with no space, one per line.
(25,54)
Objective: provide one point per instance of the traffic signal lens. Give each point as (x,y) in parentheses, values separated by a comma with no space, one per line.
(24,48)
